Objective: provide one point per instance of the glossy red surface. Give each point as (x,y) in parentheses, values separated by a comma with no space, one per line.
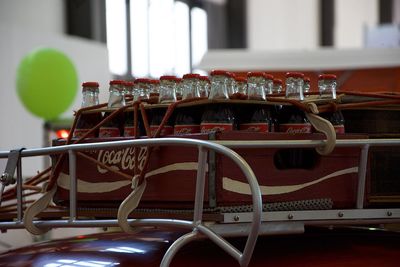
(318,247)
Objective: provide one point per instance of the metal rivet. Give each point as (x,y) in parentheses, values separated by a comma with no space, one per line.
(290,216)
(389,213)
(236,218)
(340,214)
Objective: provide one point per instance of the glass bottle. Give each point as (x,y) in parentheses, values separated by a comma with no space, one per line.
(167,89)
(204,86)
(269,84)
(292,120)
(278,86)
(306,86)
(241,87)
(327,86)
(142,86)
(129,129)
(86,121)
(179,89)
(219,82)
(327,89)
(191,86)
(154,91)
(256,86)
(294,85)
(219,116)
(115,126)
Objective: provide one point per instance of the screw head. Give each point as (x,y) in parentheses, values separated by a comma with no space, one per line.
(340,214)
(290,216)
(236,218)
(389,213)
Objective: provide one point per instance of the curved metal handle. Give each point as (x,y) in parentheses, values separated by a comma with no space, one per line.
(324,126)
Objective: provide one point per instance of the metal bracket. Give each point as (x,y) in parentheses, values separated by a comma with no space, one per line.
(7,178)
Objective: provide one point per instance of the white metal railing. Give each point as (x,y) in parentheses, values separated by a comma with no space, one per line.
(251,220)
(197,226)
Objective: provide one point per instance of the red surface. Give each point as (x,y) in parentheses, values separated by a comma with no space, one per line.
(317,247)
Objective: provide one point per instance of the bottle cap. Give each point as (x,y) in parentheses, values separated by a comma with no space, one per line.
(294,75)
(240,79)
(307,79)
(154,81)
(142,80)
(168,78)
(327,77)
(90,84)
(231,74)
(204,78)
(268,76)
(255,74)
(117,82)
(220,72)
(191,76)
(278,81)
(129,83)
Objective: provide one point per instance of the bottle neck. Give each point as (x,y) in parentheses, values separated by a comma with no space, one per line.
(116,99)
(90,98)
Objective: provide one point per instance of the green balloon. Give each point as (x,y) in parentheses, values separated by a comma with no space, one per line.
(47,82)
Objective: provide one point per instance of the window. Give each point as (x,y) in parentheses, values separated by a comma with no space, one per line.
(155,37)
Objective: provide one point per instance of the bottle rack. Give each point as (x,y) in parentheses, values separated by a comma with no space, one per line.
(251,224)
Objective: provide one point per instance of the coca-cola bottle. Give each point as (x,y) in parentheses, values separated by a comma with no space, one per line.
(142,88)
(154,91)
(115,126)
(292,120)
(179,89)
(327,89)
(187,121)
(278,86)
(276,109)
(327,86)
(260,121)
(86,121)
(167,89)
(219,116)
(306,86)
(157,115)
(204,86)
(191,86)
(269,84)
(256,86)
(241,87)
(129,129)
(167,95)
(219,81)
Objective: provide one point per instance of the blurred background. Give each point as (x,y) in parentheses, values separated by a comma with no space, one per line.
(126,39)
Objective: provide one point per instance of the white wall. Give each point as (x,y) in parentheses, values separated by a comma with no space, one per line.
(22,29)
(25,26)
(282,24)
(352,17)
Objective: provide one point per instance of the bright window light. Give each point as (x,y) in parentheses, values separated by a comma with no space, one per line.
(139,37)
(116,36)
(161,30)
(199,34)
(182,46)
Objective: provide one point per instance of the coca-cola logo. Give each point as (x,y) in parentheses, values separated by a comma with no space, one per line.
(295,130)
(123,159)
(186,129)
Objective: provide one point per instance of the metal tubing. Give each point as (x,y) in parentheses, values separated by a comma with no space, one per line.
(222,243)
(98,223)
(19,190)
(187,141)
(362,173)
(200,184)
(174,248)
(73,185)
